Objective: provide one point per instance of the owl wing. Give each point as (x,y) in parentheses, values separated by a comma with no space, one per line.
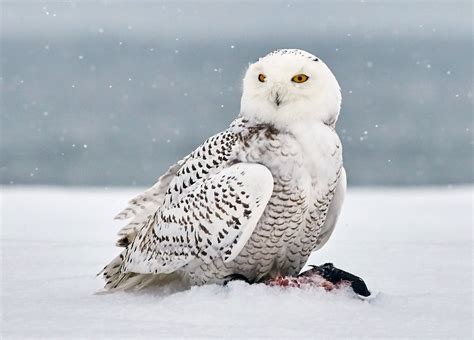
(215,218)
(209,205)
(143,206)
(213,155)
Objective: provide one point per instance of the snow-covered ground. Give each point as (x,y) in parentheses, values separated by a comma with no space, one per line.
(412,246)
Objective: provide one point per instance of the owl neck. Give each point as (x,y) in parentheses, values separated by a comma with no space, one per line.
(314,111)
(294,123)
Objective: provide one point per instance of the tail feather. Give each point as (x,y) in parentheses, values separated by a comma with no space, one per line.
(117,280)
(112,273)
(140,210)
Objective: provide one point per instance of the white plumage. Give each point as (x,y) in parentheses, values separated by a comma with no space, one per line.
(254,200)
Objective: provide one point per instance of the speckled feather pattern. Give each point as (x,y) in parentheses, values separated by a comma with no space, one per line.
(192,233)
(290,226)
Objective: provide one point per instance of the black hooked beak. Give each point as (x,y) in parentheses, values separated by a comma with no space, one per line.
(277,99)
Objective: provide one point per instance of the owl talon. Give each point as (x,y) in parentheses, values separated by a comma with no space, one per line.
(236,277)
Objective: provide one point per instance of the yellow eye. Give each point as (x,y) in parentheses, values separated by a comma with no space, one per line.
(261,77)
(300,78)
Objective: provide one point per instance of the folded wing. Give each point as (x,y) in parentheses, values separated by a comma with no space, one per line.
(216,218)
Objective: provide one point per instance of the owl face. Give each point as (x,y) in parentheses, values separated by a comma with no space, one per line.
(290,85)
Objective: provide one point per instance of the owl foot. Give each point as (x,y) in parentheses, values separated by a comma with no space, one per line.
(236,277)
(337,277)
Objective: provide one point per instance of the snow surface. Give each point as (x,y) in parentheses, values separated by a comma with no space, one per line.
(412,246)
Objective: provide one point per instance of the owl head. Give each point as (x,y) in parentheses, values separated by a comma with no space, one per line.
(290,86)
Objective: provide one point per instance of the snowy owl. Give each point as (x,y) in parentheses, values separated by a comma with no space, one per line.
(252,201)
